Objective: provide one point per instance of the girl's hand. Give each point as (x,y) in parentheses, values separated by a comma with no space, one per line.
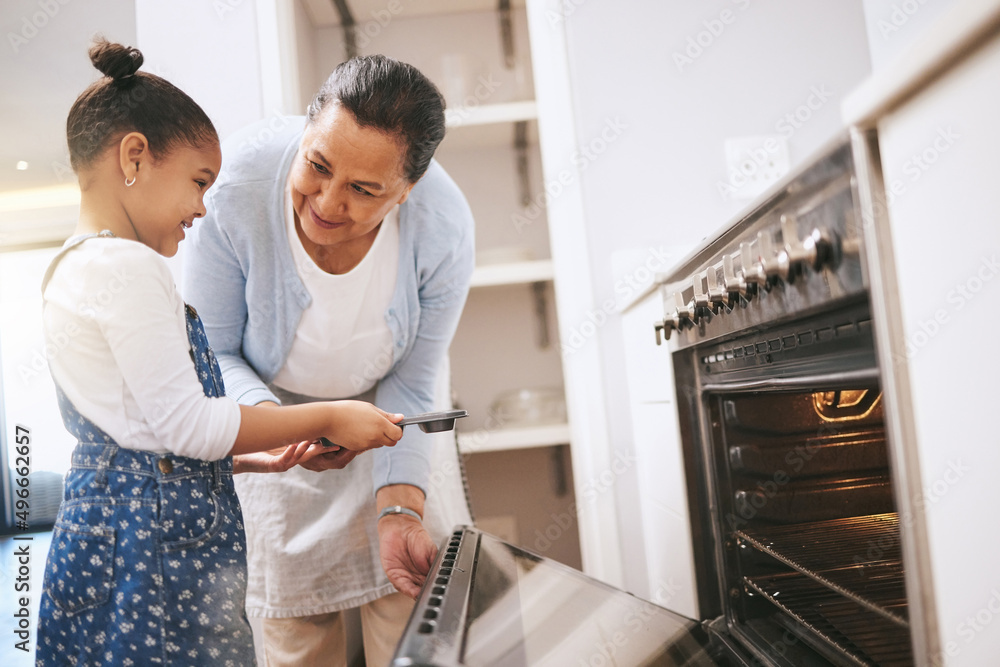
(280,459)
(357,426)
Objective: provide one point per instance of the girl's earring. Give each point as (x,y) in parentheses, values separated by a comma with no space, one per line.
(128,183)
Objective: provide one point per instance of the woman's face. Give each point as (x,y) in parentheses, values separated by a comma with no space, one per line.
(345,178)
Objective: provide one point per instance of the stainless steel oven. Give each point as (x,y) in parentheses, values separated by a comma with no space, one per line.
(794,485)
(800,524)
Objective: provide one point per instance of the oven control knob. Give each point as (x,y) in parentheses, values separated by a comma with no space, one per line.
(799,256)
(663,330)
(775,262)
(824,248)
(718,295)
(683,311)
(733,282)
(700,299)
(818,249)
(700,293)
(752,271)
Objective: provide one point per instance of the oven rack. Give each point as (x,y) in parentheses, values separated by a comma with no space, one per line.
(854,633)
(858,558)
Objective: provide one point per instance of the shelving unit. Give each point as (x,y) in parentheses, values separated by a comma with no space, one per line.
(479,57)
(507,112)
(514,273)
(504,439)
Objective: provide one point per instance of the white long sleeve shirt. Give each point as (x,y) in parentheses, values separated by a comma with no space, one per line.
(117,346)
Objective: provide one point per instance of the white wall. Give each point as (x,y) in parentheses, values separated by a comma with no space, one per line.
(210,51)
(653,179)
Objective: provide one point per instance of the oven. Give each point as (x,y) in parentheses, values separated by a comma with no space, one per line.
(803,539)
(801,530)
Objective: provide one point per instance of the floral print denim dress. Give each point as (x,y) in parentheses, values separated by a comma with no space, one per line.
(148,558)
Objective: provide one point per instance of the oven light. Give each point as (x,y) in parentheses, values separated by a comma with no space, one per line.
(845,404)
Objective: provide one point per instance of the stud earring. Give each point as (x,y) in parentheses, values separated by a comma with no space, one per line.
(129,184)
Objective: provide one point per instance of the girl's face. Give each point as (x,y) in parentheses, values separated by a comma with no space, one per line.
(345,178)
(169,194)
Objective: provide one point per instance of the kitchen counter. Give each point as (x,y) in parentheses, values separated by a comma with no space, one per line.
(957,33)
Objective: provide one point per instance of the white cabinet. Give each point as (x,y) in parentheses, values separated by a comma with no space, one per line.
(519,473)
(935,231)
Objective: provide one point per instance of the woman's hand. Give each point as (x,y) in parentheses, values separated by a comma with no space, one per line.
(331,458)
(406,551)
(281,459)
(358,426)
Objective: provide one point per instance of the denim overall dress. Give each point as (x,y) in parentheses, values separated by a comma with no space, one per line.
(148,558)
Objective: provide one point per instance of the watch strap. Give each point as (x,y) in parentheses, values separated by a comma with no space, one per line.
(398,509)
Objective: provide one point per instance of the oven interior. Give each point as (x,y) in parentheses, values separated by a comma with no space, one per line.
(808,537)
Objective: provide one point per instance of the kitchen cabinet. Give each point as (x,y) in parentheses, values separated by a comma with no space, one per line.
(934,111)
(519,472)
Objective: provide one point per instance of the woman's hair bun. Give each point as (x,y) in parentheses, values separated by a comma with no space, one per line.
(115,60)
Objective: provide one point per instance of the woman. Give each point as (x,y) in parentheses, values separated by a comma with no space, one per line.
(334,262)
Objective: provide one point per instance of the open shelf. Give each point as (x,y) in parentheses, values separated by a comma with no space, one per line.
(514,273)
(324,12)
(504,439)
(487,114)
(489,125)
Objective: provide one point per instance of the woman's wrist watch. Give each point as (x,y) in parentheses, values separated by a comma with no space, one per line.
(398,509)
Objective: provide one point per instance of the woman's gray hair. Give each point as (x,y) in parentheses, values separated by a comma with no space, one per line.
(390,96)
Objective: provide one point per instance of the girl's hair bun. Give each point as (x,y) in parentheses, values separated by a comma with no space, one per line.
(115,60)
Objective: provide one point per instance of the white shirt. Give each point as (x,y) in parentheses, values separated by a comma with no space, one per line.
(116,341)
(312,539)
(343,344)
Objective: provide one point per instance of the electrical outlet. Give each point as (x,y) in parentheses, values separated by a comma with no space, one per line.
(753,164)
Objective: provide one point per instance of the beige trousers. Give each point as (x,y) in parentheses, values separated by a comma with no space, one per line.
(321,641)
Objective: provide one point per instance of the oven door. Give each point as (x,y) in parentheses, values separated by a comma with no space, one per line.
(488,603)
(793,493)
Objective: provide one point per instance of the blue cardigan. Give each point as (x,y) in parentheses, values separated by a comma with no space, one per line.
(240,276)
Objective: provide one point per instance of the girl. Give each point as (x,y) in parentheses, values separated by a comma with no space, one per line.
(147,564)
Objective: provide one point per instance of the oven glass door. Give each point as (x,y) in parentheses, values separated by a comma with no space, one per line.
(516,608)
